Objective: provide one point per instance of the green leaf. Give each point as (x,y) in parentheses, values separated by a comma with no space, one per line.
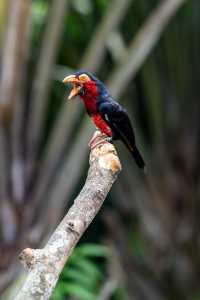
(78,291)
(58,293)
(82,274)
(87,267)
(93,250)
(39,11)
(78,277)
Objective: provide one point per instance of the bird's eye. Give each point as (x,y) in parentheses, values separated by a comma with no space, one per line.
(84,78)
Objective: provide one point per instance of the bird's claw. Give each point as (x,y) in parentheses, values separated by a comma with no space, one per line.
(98,141)
(93,139)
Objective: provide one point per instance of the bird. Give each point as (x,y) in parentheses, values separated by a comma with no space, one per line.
(107,114)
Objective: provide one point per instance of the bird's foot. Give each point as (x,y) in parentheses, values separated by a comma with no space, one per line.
(96,136)
(98,140)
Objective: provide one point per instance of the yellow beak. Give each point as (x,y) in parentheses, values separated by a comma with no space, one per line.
(76,85)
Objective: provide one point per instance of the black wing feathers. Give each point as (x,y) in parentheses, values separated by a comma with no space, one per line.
(117,119)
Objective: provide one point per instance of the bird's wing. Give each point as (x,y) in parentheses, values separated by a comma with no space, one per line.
(118,120)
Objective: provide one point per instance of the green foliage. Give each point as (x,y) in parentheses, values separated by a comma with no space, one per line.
(82,275)
(39,12)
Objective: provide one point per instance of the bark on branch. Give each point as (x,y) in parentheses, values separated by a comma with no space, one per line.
(45,265)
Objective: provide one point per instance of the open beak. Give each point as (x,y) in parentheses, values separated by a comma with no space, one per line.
(77,86)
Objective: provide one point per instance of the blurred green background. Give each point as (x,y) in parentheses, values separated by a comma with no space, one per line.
(144,243)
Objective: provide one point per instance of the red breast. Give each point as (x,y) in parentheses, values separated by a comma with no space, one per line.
(90,96)
(101,124)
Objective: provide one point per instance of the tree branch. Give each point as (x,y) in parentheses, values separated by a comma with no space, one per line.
(64,188)
(45,265)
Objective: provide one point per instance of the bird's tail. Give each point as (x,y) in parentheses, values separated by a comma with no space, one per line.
(138,158)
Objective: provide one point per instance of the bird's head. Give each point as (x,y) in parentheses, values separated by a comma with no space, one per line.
(84,84)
